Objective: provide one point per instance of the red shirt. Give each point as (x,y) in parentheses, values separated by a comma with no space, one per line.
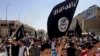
(83,53)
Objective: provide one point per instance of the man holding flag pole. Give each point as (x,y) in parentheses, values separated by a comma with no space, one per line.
(60,20)
(13,49)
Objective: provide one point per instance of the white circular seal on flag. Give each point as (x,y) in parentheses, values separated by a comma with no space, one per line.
(63,24)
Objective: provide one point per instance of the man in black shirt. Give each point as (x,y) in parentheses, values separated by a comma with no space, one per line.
(71,50)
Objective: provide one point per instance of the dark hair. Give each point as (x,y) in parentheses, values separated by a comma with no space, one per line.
(84,46)
(22,41)
(36,40)
(90,46)
(71,44)
(45,46)
(87,44)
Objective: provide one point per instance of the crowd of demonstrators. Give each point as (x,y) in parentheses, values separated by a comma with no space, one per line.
(63,46)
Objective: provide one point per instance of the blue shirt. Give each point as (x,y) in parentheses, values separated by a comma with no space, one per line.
(54,53)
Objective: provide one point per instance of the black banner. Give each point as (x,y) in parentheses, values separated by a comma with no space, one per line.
(60,18)
(20,33)
(78,30)
(74,29)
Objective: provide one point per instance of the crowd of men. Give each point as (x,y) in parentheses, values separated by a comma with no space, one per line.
(61,15)
(63,46)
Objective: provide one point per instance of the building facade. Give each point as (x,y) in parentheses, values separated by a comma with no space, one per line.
(89,20)
(5,25)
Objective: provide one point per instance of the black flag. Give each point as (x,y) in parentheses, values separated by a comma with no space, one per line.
(71,30)
(20,33)
(35,34)
(78,30)
(60,18)
(74,29)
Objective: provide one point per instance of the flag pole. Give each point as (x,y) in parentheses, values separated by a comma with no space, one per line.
(6,19)
(7,22)
(19,16)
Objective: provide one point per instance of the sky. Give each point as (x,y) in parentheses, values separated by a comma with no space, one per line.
(35,12)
